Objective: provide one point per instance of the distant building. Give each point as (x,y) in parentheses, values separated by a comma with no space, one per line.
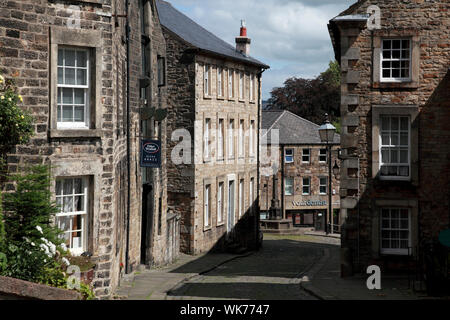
(302,171)
(215,99)
(395,131)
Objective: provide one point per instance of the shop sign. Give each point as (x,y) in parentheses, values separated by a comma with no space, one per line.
(309,203)
(150,153)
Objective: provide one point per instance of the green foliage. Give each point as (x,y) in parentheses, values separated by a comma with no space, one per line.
(16,125)
(337,124)
(86,291)
(310,98)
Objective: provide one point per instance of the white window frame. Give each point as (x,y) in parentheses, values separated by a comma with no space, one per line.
(286,185)
(84,213)
(230,83)
(321,185)
(220,139)
(308,155)
(251,138)
(220,88)
(207,207)
(325,154)
(306,185)
(241,138)
(241,197)
(287,155)
(220,201)
(86,88)
(231,138)
(252,87)
(400,60)
(399,229)
(206,138)
(241,85)
(206,80)
(251,192)
(394,146)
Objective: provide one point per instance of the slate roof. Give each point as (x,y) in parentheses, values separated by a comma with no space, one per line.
(197,36)
(292,128)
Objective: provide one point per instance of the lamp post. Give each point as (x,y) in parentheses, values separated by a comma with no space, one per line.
(326,132)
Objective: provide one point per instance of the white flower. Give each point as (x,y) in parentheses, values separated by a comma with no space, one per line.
(26,239)
(33,244)
(63,246)
(2,79)
(67,263)
(52,248)
(39,229)
(45,248)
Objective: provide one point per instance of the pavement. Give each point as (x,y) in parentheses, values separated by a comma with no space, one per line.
(287,267)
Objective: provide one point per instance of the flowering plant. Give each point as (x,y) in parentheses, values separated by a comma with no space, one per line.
(16,125)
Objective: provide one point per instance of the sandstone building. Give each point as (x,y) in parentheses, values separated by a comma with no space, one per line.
(302,174)
(92,73)
(395,138)
(214,105)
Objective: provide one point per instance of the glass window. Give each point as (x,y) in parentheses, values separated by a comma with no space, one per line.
(220,203)
(289,186)
(72,200)
(241,197)
(395,230)
(305,155)
(252,87)
(73,88)
(252,137)
(289,155)
(206,137)
(241,138)
(207,208)
(395,147)
(230,83)
(231,138)
(241,85)
(220,140)
(323,155)
(206,83)
(219,82)
(323,185)
(396,59)
(306,188)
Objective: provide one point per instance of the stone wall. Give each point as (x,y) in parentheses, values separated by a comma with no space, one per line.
(426,193)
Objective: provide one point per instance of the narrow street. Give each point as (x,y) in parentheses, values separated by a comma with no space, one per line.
(272,273)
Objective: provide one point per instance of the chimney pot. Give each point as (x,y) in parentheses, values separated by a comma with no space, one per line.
(243,42)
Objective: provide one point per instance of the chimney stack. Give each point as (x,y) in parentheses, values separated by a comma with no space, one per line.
(243,42)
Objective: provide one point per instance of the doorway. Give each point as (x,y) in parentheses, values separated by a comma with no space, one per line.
(147,223)
(230,218)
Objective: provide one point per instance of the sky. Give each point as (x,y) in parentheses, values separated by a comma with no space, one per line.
(291,36)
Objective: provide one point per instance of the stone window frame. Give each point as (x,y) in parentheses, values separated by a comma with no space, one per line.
(378,37)
(252,138)
(92,171)
(252,86)
(222,117)
(241,139)
(230,148)
(233,82)
(86,39)
(207,153)
(207,182)
(378,204)
(413,112)
(207,94)
(220,86)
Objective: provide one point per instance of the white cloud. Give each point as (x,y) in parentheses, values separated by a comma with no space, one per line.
(289,35)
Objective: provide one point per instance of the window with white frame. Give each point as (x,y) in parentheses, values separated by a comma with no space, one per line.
(395,147)
(323,155)
(73,88)
(231,138)
(219,82)
(395,230)
(323,185)
(288,155)
(220,196)
(252,192)
(72,219)
(241,85)
(252,138)
(396,60)
(289,186)
(230,83)
(252,87)
(220,140)
(306,188)
(241,197)
(305,155)
(206,137)
(207,207)
(241,138)
(206,81)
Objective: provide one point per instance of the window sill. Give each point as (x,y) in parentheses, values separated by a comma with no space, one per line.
(208,228)
(207,160)
(220,224)
(207,97)
(395,85)
(220,98)
(75,133)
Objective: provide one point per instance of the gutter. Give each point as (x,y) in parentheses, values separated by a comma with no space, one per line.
(127,31)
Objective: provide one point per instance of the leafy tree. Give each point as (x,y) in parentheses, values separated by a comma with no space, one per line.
(310,98)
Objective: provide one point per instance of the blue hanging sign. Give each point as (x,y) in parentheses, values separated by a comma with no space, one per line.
(150,153)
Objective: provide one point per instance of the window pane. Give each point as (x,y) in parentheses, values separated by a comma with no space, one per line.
(67,96)
(386,55)
(385,243)
(386,44)
(404,244)
(76,240)
(386,73)
(67,113)
(404,139)
(385,123)
(385,155)
(60,57)
(395,73)
(395,44)
(392,170)
(59,115)
(405,54)
(60,76)
(69,58)
(404,213)
(68,204)
(405,44)
(81,77)
(404,224)
(404,171)
(58,189)
(81,59)
(79,96)
(385,213)
(394,123)
(395,55)
(403,156)
(63,223)
(70,76)
(385,139)
(394,139)
(385,223)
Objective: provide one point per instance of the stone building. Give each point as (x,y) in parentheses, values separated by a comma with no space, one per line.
(395,138)
(214,105)
(302,174)
(90,72)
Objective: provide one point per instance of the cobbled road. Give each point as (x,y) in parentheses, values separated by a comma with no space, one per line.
(272,273)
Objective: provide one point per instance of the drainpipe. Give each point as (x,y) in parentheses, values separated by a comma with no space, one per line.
(127,31)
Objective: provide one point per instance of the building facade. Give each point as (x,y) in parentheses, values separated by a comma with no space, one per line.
(302,174)
(87,81)
(395,141)
(214,115)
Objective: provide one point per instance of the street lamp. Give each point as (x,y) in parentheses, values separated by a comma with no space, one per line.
(326,132)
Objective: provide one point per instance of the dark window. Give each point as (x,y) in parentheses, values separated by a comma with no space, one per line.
(161,71)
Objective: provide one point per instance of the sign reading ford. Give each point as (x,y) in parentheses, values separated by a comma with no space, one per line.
(150,153)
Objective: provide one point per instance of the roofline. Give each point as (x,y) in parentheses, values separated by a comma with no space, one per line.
(276,120)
